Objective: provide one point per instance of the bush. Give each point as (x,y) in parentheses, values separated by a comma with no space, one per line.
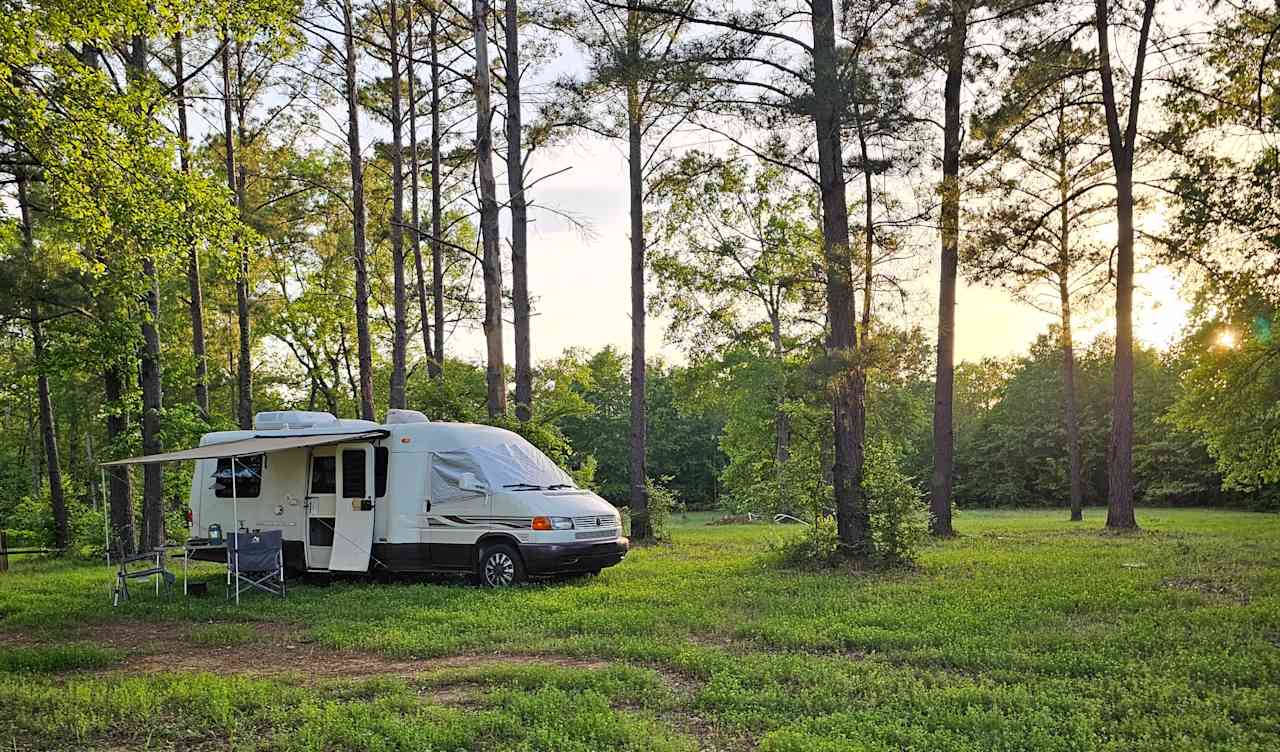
(86,525)
(662,500)
(815,547)
(30,523)
(899,518)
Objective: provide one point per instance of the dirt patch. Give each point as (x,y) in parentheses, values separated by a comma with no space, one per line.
(710,737)
(309,663)
(272,650)
(1217,592)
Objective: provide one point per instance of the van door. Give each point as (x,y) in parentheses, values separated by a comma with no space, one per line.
(353,512)
(322,479)
(457,516)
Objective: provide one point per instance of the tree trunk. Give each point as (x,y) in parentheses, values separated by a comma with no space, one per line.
(1120,452)
(414,173)
(435,367)
(48,429)
(868,279)
(519,220)
(153,533)
(781,421)
(359,244)
(195,288)
(641,525)
(944,380)
(1070,417)
(852,519)
(495,367)
(1120,456)
(120,489)
(400,331)
(244,378)
(1069,413)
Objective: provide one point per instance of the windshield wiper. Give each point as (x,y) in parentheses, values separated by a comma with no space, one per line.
(559,486)
(524,487)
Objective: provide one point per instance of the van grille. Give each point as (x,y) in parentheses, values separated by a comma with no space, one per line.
(594,521)
(590,534)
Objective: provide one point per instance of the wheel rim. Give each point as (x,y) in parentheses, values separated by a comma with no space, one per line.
(499,569)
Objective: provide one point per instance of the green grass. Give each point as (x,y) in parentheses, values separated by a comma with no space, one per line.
(52,659)
(1027,632)
(230,633)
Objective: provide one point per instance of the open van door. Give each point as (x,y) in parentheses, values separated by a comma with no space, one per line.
(353,518)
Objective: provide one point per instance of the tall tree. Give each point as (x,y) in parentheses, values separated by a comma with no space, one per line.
(48,428)
(415,173)
(436,364)
(1122,137)
(943,479)
(852,518)
(153,532)
(519,214)
(495,368)
(195,287)
(634,93)
(231,99)
(359,242)
(1037,235)
(400,333)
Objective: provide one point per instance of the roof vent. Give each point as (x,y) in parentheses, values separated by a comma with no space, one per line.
(400,417)
(280,419)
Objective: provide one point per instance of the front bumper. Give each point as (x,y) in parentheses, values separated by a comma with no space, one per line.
(569,558)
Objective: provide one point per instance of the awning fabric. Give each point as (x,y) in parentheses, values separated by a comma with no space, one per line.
(250,446)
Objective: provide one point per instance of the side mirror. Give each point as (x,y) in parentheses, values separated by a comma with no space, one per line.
(469,482)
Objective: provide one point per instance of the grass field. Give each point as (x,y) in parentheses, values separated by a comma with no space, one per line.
(1027,632)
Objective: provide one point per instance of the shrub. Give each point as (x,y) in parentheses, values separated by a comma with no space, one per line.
(815,547)
(899,518)
(662,500)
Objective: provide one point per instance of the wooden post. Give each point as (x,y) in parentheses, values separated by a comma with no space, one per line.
(4,552)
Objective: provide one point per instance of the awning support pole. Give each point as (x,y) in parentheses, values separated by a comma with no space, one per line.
(235,540)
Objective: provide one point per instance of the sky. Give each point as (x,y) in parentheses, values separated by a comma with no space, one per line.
(581,281)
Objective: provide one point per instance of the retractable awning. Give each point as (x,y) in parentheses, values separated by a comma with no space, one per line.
(250,446)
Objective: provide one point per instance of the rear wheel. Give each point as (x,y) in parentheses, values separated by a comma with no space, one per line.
(500,566)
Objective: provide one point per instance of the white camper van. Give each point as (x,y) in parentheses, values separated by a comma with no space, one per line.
(405,496)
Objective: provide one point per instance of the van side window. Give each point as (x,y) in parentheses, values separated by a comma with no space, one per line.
(353,483)
(248,478)
(322,475)
(380,457)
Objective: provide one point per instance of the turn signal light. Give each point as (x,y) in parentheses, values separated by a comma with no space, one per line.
(552,523)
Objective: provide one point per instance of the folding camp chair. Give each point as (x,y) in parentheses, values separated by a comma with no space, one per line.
(140,566)
(255,560)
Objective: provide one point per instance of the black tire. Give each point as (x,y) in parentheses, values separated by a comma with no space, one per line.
(500,566)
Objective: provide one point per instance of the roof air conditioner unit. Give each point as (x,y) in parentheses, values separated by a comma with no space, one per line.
(397,417)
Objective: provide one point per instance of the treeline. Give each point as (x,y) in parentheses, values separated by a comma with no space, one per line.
(215,208)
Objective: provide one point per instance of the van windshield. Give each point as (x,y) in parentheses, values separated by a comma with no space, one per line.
(513,466)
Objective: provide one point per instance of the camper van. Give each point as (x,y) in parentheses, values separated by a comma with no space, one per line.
(408,495)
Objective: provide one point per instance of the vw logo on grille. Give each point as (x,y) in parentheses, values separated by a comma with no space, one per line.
(602,521)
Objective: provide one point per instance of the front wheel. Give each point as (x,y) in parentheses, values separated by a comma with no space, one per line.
(500,566)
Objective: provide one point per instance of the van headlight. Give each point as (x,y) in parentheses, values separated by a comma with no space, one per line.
(552,523)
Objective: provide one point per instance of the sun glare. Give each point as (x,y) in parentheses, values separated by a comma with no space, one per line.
(1226,339)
